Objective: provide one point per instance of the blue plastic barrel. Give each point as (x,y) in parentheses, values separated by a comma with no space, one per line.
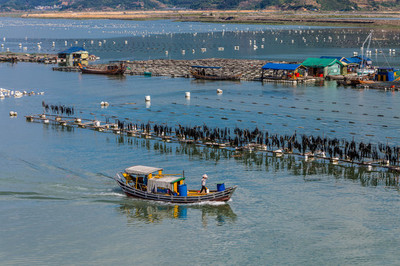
(182,190)
(221,187)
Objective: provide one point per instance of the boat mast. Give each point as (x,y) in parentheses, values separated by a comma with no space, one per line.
(369,38)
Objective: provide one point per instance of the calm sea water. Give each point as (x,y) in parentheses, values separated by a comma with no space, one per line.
(59,205)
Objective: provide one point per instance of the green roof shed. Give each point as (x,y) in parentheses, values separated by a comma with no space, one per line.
(323,66)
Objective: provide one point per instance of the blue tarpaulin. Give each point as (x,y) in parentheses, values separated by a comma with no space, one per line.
(359,59)
(277,66)
(72,50)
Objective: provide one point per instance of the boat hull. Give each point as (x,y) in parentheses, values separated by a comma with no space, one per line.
(136,193)
(120,70)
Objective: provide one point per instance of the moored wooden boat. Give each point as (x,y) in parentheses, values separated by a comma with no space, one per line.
(113,69)
(150,183)
(212,73)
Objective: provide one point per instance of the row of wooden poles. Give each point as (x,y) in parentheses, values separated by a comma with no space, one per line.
(327,148)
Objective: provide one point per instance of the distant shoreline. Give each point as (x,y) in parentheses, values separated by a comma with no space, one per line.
(387,20)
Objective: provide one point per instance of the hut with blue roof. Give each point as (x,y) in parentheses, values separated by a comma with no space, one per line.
(362,60)
(279,71)
(74,53)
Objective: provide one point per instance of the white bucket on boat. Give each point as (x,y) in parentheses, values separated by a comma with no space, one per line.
(207,191)
(147,98)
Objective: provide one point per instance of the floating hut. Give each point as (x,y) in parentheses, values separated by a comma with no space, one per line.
(361,60)
(74,53)
(278,71)
(349,65)
(322,67)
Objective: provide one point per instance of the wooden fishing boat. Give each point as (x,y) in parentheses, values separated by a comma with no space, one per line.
(114,69)
(150,183)
(211,73)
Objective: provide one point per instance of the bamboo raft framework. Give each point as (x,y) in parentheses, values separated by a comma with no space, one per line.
(178,135)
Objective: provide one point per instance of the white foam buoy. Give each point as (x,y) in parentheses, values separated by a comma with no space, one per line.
(46,121)
(187,94)
(147,98)
(219,91)
(12,113)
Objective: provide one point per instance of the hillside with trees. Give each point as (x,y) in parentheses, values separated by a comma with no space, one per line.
(88,5)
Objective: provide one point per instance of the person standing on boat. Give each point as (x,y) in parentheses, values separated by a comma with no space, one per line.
(203,183)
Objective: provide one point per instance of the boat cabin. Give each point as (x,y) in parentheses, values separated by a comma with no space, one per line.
(152,180)
(387,74)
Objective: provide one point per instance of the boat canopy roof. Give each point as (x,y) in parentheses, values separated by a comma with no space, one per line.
(141,170)
(164,182)
(278,66)
(213,67)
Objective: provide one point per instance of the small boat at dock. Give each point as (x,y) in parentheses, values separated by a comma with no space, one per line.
(212,73)
(112,69)
(149,183)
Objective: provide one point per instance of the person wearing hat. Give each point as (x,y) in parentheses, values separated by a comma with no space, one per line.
(203,183)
